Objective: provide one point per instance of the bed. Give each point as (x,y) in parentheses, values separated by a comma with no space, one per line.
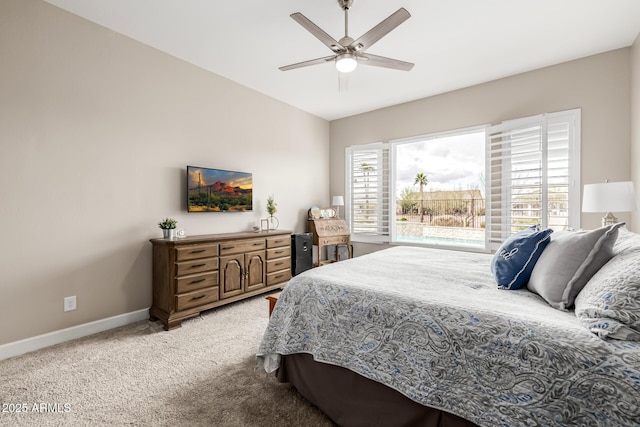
(418,336)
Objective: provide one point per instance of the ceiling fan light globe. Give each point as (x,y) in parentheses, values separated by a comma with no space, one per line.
(346,63)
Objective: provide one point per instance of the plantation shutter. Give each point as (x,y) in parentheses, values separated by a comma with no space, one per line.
(367,197)
(533,167)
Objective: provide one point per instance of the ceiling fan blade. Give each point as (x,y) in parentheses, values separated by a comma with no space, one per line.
(380,30)
(308,63)
(383,61)
(318,32)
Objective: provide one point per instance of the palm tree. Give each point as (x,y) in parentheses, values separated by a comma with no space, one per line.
(422,180)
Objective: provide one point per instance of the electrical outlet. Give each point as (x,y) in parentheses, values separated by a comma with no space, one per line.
(70,303)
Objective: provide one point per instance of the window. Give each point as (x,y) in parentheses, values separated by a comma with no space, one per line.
(479,185)
(439,188)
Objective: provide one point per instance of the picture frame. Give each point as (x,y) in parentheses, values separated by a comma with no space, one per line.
(218,190)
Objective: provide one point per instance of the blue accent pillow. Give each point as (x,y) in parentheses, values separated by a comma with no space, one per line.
(514,261)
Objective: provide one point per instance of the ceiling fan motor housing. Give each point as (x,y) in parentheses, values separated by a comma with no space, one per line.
(346,41)
(345,4)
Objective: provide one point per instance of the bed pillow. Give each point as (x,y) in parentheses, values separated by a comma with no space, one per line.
(609,304)
(513,262)
(569,261)
(626,240)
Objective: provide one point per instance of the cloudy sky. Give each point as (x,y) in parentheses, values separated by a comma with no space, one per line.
(450,163)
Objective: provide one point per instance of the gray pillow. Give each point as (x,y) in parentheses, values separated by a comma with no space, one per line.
(569,261)
(609,304)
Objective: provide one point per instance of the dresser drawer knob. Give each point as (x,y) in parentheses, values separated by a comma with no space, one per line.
(198,265)
(197,251)
(198,297)
(197,281)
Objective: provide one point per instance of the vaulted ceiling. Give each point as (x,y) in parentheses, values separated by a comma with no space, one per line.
(453,43)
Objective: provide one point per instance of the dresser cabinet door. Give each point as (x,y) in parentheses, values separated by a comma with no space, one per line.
(231,275)
(255,271)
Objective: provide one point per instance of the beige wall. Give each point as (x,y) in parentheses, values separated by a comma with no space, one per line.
(635,127)
(599,85)
(96,131)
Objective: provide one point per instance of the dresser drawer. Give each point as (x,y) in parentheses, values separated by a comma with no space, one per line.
(282,252)
(278,241)
(196,281)
(278,277)
(239,246)
(334,240)
(196,266)
(278,264)
(196,298)
(185,253)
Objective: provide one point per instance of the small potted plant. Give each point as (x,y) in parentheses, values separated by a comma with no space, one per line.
(272,208)
(168,226)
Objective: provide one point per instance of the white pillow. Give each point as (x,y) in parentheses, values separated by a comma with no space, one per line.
(609,305)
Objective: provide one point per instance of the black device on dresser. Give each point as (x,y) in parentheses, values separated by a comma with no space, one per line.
(302,253)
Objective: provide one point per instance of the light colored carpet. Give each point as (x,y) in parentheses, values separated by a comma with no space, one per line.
(139,375)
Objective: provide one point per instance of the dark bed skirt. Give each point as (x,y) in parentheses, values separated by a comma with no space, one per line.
(350,399)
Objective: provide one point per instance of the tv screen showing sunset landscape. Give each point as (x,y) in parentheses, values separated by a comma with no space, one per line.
(218,190)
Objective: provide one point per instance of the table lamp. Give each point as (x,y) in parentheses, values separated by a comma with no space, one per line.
(609,197)
(337,202)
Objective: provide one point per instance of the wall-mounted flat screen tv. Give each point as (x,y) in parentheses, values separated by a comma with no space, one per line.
(218,190)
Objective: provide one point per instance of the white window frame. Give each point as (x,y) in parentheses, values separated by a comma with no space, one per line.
(394,146)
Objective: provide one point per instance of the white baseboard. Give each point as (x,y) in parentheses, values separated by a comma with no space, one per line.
(35,343)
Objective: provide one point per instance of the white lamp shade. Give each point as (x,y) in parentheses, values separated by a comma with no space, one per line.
(609,197)
(338,201)
(346,63)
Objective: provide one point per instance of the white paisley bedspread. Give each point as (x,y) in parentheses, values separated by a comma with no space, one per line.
(432,324)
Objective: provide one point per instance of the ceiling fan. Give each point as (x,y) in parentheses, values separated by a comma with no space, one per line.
(347,52)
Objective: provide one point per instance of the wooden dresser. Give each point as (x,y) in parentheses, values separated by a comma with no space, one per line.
(197,273)
(329,232)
